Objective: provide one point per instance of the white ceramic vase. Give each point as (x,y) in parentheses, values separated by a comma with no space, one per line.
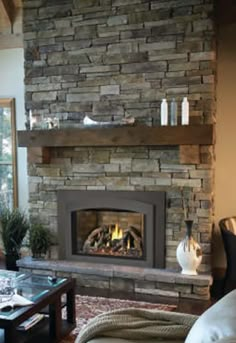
(189,253)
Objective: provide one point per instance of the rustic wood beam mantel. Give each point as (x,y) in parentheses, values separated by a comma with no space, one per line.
(188,138)
(139,135)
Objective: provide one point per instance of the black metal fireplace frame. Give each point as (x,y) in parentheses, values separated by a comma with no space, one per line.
(150,203)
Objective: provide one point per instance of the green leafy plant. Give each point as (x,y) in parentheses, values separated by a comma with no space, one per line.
(14,226)
(40,239)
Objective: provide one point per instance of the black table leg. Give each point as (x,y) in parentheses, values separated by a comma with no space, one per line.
(10,335)
(70,305)
(55,320)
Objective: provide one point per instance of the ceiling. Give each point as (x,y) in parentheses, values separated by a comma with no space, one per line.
(11,24)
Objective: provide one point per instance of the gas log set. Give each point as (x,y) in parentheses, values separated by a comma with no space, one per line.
(114,240)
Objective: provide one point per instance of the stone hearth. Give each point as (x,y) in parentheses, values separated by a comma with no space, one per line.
(134,280)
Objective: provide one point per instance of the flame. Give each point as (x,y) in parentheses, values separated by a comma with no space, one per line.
(117,233)
(128,243)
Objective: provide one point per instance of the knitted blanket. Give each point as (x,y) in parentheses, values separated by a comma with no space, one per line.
(138,324)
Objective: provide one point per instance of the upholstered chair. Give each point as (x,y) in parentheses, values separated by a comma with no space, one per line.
(228,231)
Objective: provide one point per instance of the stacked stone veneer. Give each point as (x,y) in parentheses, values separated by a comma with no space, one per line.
(134,280)
(113,59)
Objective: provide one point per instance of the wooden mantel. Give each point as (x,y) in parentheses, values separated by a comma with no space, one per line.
(118,136)
(140,135)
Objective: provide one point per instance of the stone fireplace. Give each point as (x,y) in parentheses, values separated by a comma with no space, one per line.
(126,169)
(111,59)
(125,228)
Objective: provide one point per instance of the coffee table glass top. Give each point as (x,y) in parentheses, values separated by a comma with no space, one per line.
(11,274)
(40,280)
(30,286)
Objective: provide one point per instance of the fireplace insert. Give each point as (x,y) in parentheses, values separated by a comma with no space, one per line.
(116,227)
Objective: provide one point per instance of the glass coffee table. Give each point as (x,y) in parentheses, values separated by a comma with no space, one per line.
(50,296)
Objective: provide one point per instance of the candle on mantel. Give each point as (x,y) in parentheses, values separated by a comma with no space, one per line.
(32,120)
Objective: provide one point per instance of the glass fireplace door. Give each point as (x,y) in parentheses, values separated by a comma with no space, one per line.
(108,232)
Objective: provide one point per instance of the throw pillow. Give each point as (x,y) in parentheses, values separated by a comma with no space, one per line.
(217,323)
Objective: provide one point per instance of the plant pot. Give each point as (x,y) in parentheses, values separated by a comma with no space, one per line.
(38,256)
(10,261)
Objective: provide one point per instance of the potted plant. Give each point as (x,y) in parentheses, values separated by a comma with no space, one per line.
(14,226)
(40,239)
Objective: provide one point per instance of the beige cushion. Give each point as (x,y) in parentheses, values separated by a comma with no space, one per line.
(217,324)
(120,340)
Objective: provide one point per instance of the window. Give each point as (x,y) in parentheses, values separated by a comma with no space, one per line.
(8,163)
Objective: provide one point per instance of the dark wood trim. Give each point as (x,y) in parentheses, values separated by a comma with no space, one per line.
(9,7)
(225,12)
(10,103)
(119,136)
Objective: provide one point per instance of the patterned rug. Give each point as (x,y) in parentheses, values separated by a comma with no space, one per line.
(88,307)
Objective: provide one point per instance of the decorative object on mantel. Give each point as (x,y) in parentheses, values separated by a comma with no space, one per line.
(164,113)
(185,111)
(189,252)
(30,121)
(39,122)
(173,113)
(124,121)
(51,123)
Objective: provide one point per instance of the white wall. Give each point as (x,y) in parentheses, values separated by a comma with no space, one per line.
(12,86)
(225,190)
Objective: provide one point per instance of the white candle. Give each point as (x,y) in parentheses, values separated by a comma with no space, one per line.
(185,112)
(30,119)
(164,112)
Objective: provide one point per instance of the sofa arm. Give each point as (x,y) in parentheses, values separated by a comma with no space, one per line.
(120,340)
(217,324)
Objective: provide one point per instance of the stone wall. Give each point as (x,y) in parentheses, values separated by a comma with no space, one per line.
(114,58)
(111,59)
(129,169)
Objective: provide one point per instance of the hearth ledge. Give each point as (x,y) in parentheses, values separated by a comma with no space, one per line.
(137,280)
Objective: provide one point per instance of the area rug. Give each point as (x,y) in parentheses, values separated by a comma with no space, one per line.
(88,307)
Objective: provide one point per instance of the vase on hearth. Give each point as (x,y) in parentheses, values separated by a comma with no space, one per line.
(189,252)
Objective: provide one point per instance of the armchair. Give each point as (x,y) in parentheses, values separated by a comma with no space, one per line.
(228,231)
